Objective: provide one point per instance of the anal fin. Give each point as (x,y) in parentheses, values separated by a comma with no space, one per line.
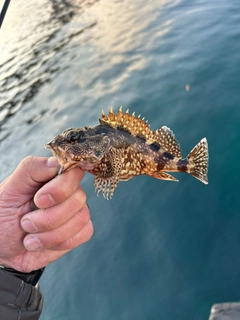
(163,176)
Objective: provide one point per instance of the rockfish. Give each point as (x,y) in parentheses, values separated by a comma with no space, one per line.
(123,146)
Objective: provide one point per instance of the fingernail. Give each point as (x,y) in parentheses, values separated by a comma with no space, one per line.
(52,162)
(32,244)
(45,201)
(28,226)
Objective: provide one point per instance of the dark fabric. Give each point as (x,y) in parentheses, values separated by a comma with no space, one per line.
(19,300)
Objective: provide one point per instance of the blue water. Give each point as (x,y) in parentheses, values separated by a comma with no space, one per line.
(161,250)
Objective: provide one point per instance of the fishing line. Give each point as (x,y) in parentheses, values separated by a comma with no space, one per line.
(4,10)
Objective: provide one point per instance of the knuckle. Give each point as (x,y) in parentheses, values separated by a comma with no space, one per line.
(72,242)
(81,196)
(42,219)
(83,236)
(28,162)
(88,230)
(84,216)
(56,238)
(63,187)
(69,244)
(47,220)
(79,199)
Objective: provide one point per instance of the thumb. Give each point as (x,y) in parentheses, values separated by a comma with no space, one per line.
(28,177)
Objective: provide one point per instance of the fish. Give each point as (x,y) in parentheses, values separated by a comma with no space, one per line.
(123,146)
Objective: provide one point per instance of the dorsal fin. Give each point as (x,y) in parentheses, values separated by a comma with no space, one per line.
(135,126)
(166,138)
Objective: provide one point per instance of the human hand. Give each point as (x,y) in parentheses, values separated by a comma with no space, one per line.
(42,216)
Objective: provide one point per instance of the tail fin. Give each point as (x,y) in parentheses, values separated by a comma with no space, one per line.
(198,161)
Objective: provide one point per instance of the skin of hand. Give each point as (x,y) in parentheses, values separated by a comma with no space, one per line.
(42,215)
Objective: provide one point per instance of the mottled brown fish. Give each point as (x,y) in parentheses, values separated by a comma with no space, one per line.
(123,146)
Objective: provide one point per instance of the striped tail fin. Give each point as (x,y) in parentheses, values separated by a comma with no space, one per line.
(198,161)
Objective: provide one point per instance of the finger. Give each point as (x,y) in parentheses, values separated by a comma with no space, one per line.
(43,220)
(77,239)
(49,239)
(54,253)
(58,189)
(28,177)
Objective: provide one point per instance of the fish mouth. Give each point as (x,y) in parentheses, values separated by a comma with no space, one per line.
(68,160)
(65,161)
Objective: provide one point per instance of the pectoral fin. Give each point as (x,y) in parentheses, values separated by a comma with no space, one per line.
(108,177)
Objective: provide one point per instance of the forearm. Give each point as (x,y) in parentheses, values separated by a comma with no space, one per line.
(19,300)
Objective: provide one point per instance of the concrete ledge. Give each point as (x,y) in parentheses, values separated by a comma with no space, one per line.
(225,311)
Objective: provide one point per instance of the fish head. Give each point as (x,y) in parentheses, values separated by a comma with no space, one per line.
(79,147)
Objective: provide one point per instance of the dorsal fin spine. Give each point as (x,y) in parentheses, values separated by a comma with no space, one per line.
(136,126)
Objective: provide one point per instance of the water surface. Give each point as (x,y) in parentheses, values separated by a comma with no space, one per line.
(161,250)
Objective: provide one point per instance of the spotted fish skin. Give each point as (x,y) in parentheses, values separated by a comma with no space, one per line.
(123,146)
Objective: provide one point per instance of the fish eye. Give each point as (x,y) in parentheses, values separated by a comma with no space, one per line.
(73,136)
(67,130)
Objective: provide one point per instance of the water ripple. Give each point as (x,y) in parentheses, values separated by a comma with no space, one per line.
(39,58)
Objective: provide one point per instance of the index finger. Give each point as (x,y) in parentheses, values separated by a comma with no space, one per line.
(28,177)
(58,189)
